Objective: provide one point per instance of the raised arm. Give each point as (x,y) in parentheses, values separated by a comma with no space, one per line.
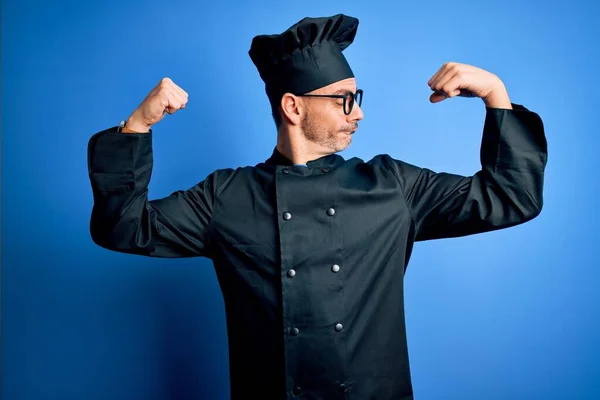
(507,191)
(120,165)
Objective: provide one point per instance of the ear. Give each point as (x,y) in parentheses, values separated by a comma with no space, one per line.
(291,108)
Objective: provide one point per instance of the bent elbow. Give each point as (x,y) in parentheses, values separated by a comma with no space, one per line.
(532,210)
(102,234)
(110,237)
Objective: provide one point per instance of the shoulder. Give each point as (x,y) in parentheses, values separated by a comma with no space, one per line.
(376,162)
(386,165)
(234,177)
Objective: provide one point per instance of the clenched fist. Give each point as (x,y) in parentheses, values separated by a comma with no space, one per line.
(166,97)
(455,79)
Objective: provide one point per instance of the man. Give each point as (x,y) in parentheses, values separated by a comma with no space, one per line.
(310,249)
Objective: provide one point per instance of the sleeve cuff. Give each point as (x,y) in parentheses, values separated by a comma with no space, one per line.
(119,162)
(114,152)
(514,138)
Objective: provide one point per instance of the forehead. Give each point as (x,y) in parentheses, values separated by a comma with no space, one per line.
(345,85)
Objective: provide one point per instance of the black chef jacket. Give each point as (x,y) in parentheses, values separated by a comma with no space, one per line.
(311,260)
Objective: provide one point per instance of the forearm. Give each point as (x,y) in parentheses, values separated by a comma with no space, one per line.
(513,157)
(119,170)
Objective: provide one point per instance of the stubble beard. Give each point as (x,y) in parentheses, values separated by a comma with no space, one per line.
(315,133)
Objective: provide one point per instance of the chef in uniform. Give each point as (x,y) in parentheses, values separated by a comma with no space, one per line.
(310,249)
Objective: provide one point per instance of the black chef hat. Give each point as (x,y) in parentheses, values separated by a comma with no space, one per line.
(305,57)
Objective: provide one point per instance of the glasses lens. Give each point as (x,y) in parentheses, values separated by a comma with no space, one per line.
(350,99)
(348,103)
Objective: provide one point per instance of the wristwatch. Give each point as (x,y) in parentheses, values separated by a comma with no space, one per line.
(121,126)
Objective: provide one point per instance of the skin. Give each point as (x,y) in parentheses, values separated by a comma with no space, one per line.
(315,127)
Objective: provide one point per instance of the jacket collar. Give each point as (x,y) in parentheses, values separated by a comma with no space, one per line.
(329,160)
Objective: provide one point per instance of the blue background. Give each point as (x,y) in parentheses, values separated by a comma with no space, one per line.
(505,315)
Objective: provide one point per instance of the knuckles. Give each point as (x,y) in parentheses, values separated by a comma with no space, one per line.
(166,83)
(452,66)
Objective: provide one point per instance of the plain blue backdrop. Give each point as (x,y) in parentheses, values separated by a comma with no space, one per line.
(511,314)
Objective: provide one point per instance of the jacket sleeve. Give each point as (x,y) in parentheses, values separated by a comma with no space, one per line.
(124,220)
(507,191)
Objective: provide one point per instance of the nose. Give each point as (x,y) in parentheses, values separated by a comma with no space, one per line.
(357,113)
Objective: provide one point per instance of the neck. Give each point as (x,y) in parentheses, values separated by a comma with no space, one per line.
(294,147)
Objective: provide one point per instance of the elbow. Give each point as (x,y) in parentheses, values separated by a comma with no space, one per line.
(526,197)
(533,214)
(103,235)
(110,237)
(532,210)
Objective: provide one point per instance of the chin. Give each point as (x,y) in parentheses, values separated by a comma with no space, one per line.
(344,145)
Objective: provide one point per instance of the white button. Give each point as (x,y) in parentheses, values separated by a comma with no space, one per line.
(335,268)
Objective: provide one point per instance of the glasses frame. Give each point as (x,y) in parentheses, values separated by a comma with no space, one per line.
(358,95)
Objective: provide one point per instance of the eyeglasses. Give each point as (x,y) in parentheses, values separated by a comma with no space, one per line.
(349,99)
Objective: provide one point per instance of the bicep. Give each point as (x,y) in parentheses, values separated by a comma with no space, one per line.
(174,226)
(180,223)
(445,205)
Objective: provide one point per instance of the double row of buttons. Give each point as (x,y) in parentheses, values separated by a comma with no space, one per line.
(334,268)
(297,391)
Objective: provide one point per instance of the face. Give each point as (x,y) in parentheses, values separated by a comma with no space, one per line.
(324,124)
